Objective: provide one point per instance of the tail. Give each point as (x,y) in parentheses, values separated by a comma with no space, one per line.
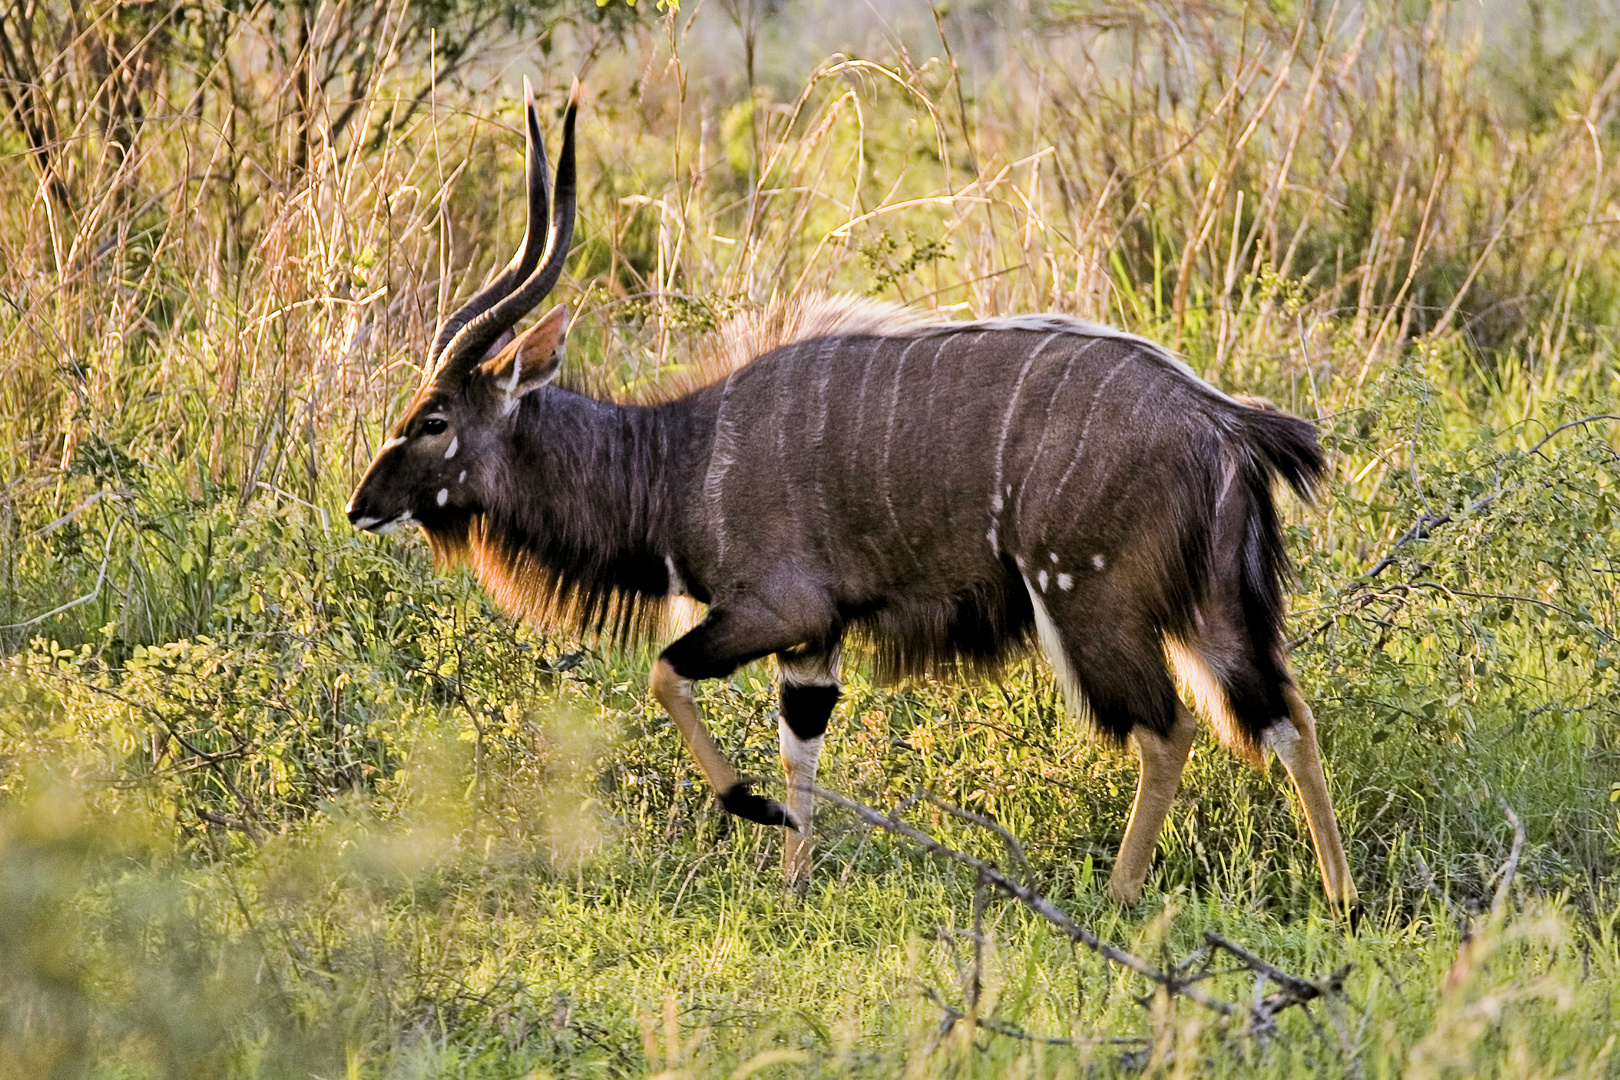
(1251,569)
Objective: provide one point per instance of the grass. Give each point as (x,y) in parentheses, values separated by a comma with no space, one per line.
(277,800)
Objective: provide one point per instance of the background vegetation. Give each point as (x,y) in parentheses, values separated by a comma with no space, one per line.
(279,801)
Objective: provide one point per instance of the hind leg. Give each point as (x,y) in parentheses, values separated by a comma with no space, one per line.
(1294,742)
(1162,758)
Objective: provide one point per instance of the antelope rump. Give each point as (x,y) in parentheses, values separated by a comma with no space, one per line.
(949,494)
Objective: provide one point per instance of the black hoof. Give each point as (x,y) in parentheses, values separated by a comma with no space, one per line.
(745,804)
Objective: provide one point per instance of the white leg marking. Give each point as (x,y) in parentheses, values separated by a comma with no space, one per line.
(455,444)
(443,496)
(1052,645)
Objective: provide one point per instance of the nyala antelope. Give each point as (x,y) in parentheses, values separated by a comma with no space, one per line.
(950,494)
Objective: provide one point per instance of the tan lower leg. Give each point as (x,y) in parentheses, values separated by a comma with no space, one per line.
(799,760)
(1162,758)
(675,695)
(1301,758)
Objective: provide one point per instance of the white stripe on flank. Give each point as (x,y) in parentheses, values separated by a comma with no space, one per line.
(996,499)
(888,442)
(1046,430)
(721,458)
(1080,446)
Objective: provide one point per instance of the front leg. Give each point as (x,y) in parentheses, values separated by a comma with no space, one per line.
(716,647)
(809,691)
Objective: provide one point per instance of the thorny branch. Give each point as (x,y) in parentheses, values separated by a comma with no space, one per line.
(1361,591)
(1259,1012)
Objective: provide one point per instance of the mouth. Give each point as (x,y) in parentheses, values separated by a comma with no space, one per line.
(381,527)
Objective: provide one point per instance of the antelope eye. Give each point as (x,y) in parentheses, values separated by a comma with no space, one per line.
(434,425)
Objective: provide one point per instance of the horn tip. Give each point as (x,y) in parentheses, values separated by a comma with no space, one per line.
(574,92)
(528,92)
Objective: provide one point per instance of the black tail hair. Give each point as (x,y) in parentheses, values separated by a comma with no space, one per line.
(1274,445)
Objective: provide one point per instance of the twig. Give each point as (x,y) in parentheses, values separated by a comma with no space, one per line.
(1510,869)
(95,590)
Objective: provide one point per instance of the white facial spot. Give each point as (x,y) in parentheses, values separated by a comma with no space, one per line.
(1053,555)
(1065,582)
(391,443)
(1098,561)
(444,496)
(1019,559)
(1040,579)
(455,444)
(462,479)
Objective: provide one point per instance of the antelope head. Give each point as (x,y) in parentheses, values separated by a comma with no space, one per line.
(445,452)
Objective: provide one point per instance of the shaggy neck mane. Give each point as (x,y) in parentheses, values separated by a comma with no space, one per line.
(579,525)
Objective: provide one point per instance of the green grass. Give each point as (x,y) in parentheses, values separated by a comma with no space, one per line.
(277,800)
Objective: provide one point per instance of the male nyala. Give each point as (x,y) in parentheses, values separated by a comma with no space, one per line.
(949,493)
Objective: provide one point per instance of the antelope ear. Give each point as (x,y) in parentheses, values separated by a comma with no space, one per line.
(532,360)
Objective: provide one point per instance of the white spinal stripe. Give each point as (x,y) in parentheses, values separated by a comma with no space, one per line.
(1066,324)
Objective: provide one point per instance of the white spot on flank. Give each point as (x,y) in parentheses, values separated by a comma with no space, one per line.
(1098,561)
(1065,582)
(1041,578)
(455,444)
(390,444)
(443,496)
(462,479)
(1053,555)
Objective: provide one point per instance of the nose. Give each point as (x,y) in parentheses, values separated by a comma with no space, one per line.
(359,516)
